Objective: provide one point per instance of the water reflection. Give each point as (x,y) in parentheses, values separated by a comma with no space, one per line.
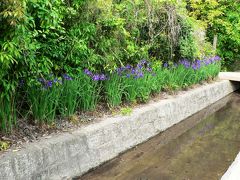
(201,147)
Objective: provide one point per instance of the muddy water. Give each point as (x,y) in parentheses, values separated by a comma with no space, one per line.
(200,148)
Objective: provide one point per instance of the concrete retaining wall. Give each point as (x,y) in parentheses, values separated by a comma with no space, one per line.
(72,154)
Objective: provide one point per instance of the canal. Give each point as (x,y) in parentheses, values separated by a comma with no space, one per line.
(201,147)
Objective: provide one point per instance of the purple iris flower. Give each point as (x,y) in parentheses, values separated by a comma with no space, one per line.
(96,77)
(49,84)
(149,69)
(165,65)
(67,77)
(144,61)
(217,58)
(133,71)
(128,66)
(140,74)
(211,60)
(140,66)
(207,62)
(185,63)
(120,70)
(87,72)
(102,77)
(198,61)
(196,66)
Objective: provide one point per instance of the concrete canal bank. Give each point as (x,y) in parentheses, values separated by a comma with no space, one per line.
(201,147)
(72,154)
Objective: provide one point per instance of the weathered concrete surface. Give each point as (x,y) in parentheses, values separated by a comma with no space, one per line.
(233,76)
(72,154)
(233,172)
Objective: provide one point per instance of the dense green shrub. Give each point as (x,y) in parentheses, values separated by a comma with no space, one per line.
(41,37)
(222,18)
(45,39)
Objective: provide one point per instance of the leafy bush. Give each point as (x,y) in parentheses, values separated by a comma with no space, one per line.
(222,19)
(61,36)
(38,38)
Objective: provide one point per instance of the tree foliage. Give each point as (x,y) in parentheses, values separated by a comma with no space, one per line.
(40,37)
(222,18)
(48,38)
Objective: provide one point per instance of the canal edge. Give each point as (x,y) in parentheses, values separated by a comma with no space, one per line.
(72,154)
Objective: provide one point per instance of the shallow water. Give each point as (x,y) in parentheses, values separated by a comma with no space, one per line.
(200,148)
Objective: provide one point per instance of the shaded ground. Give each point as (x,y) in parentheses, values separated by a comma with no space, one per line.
(200,148)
